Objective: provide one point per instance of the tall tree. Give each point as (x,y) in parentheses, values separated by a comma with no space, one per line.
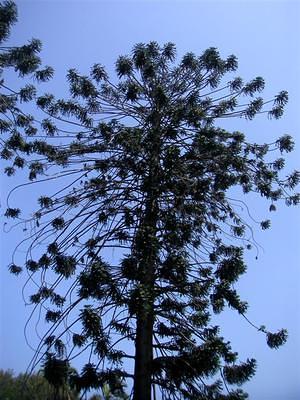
(146,171)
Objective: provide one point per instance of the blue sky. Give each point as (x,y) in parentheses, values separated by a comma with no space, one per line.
(264,35)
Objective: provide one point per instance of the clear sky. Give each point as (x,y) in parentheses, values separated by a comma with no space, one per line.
(264,35)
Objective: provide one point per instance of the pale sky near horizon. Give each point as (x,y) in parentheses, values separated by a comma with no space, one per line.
(264,35)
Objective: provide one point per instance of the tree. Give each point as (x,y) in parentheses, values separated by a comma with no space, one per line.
(107,395)
(33,387)
(145,170)
(36,387)
(25,61)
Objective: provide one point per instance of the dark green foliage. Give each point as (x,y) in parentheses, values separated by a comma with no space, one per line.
(25,61)
(277,339)
(15,269)
(239,374)
(30,387)
(56,371)
(151,179)
(65,265)
(36,387)
(12,212)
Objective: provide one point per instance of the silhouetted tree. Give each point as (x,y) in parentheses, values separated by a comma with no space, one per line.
(25,61)
(144,169)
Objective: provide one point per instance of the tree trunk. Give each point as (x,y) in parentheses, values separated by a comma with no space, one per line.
(143,357)
(145,320)
(147,253)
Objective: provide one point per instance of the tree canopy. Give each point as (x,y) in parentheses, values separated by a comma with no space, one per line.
(36,387)
(141,166)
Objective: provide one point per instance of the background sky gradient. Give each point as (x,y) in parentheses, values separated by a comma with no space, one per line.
(264,35)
